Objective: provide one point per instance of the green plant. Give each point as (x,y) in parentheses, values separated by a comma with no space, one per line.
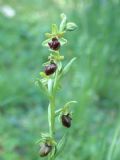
(49,81)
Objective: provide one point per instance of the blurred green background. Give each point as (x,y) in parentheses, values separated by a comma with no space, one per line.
(95,82)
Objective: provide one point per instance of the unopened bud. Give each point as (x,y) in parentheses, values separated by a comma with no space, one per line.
(71,26)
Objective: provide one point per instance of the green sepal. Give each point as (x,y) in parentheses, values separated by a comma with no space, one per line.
(46,63)
(60,34)
(69,103)
(54,29)
(63,22)
(63,41)
(48,35)
(40,83)
(65,109)
(58,112)
(45,137)
(43,75)
(45,43)
(56,56)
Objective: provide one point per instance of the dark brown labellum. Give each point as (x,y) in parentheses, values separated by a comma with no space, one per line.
(45,149)
(54,44)
(50,69)
(66,120)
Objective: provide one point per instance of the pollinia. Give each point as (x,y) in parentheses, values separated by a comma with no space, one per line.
(49,82)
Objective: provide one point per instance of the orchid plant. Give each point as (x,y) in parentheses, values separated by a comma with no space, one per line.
(49,82)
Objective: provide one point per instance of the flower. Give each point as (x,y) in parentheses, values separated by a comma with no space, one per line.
(50,69)
(66,120)
(54,44)
(45,149)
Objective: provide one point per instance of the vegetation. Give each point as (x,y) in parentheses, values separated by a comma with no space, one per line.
(50,84)
(94,81)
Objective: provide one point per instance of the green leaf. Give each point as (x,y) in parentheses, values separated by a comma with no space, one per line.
(67,67)
(53,152)
(61,144)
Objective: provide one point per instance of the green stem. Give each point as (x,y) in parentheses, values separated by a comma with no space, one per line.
(51,108)
(51,116)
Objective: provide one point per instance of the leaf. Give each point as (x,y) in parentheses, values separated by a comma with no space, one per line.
(61,144)
(52,154)
(67,67)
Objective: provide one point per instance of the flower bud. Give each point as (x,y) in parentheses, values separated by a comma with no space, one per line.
(71,26)
(50,69)
(54,44)
(45,149)
(66,120)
